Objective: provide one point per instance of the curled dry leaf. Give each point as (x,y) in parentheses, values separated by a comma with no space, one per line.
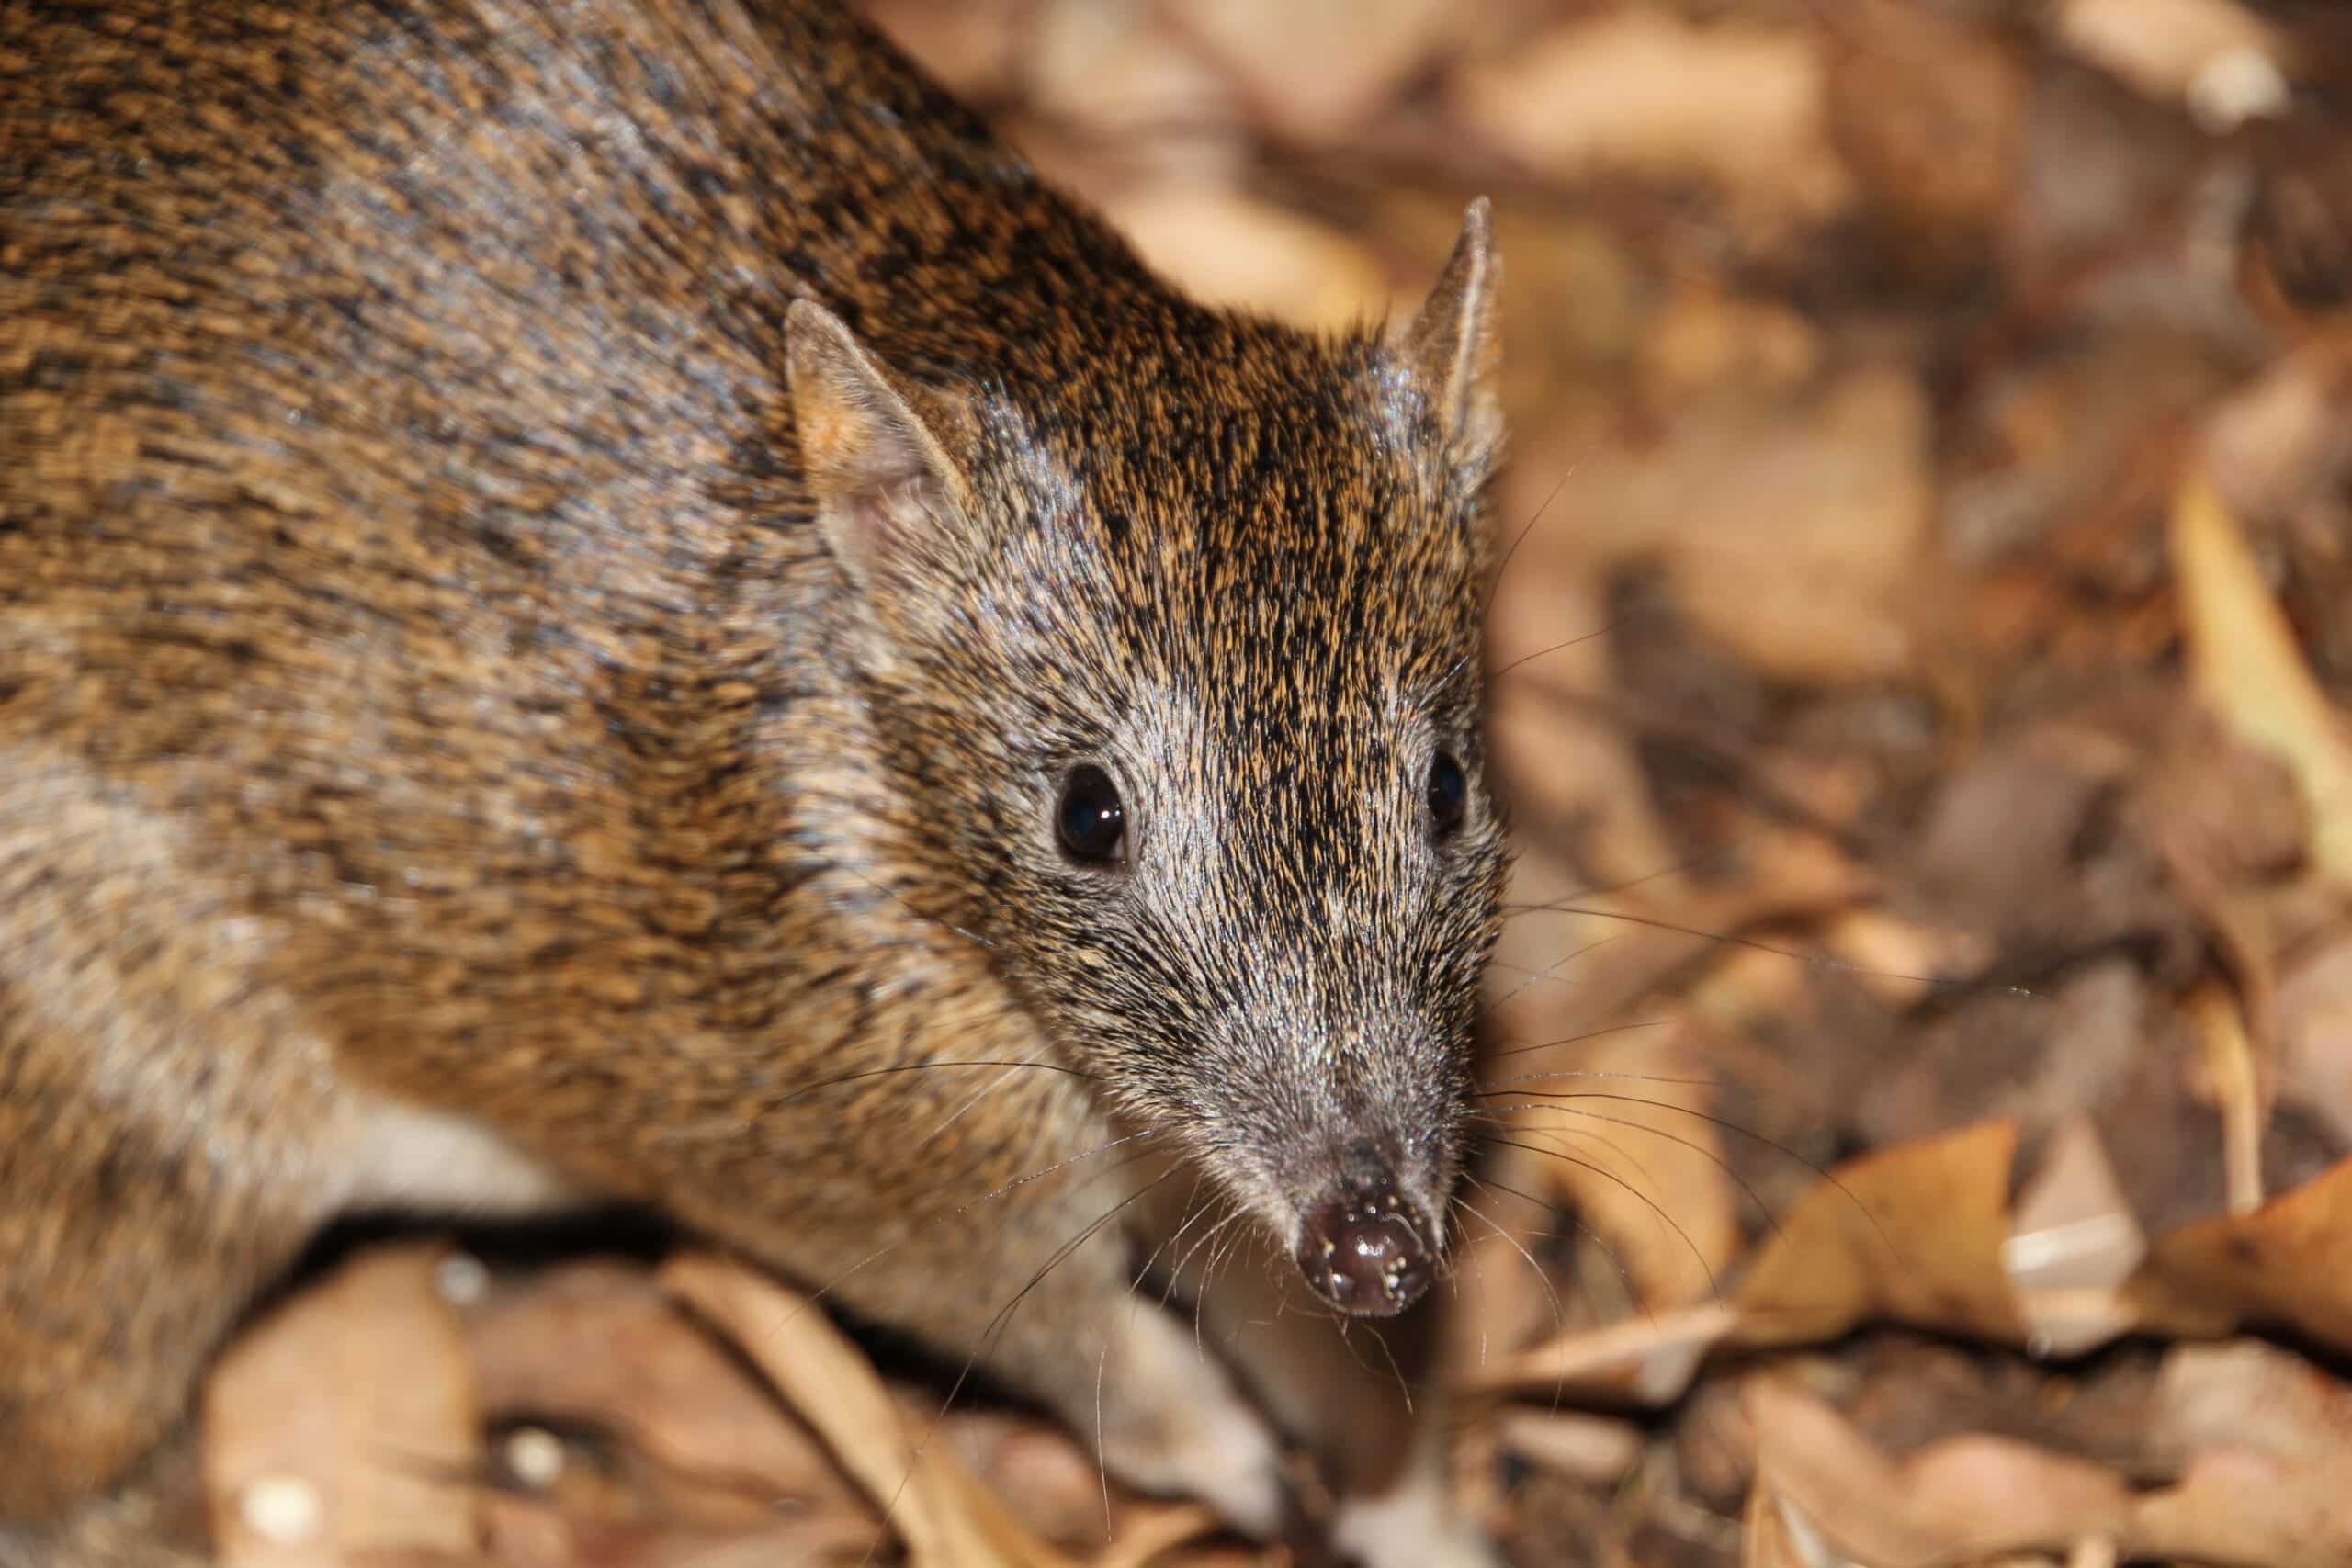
(345,1424)
(2247,667)
(1913,1234)
(947,1519)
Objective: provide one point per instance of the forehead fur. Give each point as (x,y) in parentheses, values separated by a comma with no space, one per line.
(1220,476)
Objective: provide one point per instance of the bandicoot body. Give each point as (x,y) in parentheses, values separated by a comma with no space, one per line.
(612,600)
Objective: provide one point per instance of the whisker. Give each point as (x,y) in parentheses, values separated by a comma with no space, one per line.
(1551,971)
(1587,1232)
(995,1328)
(898,898)
(993,1087)
(1604,889)
(1207,1238)
(1557,646)
(1551,1097)
(1014,1185)
(1559,1308)
(1549,1100)
(1602,1032)
(1495,584)
(1498,1113)
(1404,1385)
(1818,960)
(1194,1212)
(1648,1202)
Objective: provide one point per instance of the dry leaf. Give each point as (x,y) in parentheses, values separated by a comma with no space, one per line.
(1912,1234)
(2247,1394)
(1648,1359)
(944,1517)
(1596,1449)
(1952,1503)
(2233,1076)
(345,1423)
(2237,1509)
(2315,1033)
(1773,1538)
(657,1377)
(1615,1128)
(1232,249)
(1315,70)
(1639,92)
(2163,47)
(2288,1262)
(2246,665)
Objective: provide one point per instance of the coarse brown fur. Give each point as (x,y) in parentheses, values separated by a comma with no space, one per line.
(476,731)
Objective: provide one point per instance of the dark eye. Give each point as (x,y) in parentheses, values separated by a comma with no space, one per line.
(1448,793)
(1092,822)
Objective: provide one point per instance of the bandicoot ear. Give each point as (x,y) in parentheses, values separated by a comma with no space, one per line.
(1453,347)
(883,484)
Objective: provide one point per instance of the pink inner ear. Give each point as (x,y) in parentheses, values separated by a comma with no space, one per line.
(878,519)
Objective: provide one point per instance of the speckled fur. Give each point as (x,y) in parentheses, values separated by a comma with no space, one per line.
(428,695)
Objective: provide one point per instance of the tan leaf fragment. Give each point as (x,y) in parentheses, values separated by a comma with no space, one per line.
(2233,1075)
(1648,1359)
(2074,1240)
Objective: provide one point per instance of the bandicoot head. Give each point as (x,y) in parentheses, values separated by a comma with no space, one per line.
(1188,680)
